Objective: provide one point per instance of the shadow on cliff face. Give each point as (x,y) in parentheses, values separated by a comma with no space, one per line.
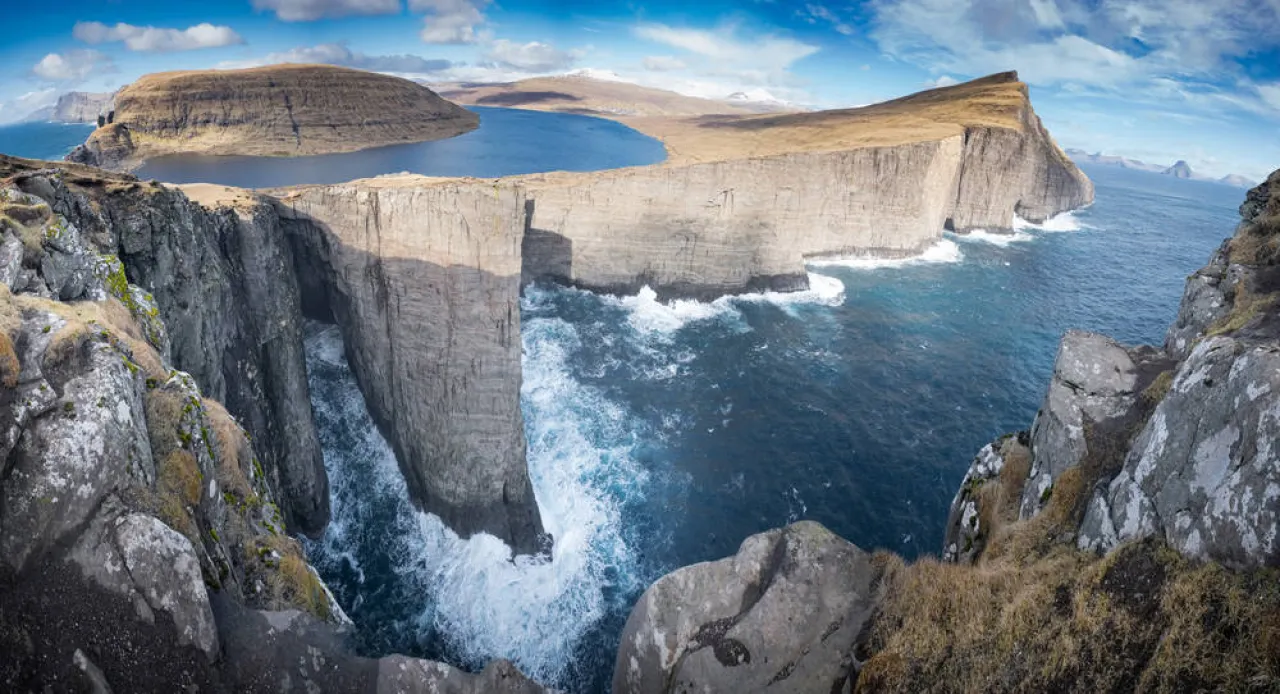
(436,353)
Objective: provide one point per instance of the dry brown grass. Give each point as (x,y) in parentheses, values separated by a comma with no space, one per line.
(9,366)
(1258,243)
(1244,310)
(1154,393)
(232,448)
(1140,619)
(997,102)
(998,500)
(177,492)
(292,581)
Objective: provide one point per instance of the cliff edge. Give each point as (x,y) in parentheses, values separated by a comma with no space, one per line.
(744,200)
(1128,541)
(277,110)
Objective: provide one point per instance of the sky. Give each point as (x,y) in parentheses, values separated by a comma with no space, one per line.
(1156,80)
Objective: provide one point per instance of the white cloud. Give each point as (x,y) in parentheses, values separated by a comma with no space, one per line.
(340,54)
(725,61)
(451,21)
(534,56)
(1270,94)
(72,66)
(771,51)
(1108,44)
(138,38)
(819,13)
(943,81)
(309,10)
(663,63)
(24,106)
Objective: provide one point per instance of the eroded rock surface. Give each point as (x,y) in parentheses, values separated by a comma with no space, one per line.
(781,615)
(1204,472)
(1096,383)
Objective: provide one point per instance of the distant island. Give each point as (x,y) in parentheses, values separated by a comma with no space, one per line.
(1179,169)
(278,110)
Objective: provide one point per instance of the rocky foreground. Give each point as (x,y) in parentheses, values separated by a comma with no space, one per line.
(278,110)
(1129,541)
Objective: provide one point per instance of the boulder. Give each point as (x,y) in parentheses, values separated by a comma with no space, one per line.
(1095,379)
(1204,473)
(781,615)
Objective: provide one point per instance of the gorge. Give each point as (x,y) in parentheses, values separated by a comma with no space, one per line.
(443,308)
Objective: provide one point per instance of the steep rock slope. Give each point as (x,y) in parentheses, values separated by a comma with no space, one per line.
(224,285)
(277,110)
(140,545)
(745,199)
(1126,542)
(423,276)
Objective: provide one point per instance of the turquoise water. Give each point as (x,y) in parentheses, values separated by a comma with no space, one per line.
(662,435)
(42,140)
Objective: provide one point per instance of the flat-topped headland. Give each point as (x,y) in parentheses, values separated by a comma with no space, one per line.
(277,110)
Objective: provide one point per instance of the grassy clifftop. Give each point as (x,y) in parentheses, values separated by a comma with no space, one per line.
(280,110)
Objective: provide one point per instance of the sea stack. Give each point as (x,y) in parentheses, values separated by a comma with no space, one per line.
(277,110)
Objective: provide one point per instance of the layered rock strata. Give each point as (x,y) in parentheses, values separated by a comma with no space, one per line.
(423,277)
(277,110)
(746,199)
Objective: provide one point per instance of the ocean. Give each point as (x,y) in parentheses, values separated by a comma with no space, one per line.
(42,140)
(664,434)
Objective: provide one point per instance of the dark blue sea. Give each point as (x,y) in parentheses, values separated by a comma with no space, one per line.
(42,140)
(663,434)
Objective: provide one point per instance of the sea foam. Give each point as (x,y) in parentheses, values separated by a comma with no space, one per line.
(944,251)
(471,594)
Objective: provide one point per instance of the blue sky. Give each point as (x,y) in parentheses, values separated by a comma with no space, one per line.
(1151,79)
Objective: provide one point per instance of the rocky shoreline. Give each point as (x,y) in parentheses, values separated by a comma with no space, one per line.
(155,332)
(1127,541)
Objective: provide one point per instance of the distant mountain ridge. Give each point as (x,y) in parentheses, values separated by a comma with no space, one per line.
(1180,168)
(74,107)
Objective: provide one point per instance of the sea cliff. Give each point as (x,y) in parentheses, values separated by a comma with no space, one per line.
(1125,542)
(278,110)
(141,545)
(745,200)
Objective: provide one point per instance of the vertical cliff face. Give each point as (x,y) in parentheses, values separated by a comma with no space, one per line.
(725,227)
(745,200)
(140,544)
(1014,171)
(224,285)
(423,278)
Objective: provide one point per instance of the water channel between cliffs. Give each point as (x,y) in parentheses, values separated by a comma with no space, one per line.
(663,434)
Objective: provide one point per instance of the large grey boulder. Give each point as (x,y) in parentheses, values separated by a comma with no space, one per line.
(399,674)
(1205,471)
(782,615)
(165,571)
(1095,380)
